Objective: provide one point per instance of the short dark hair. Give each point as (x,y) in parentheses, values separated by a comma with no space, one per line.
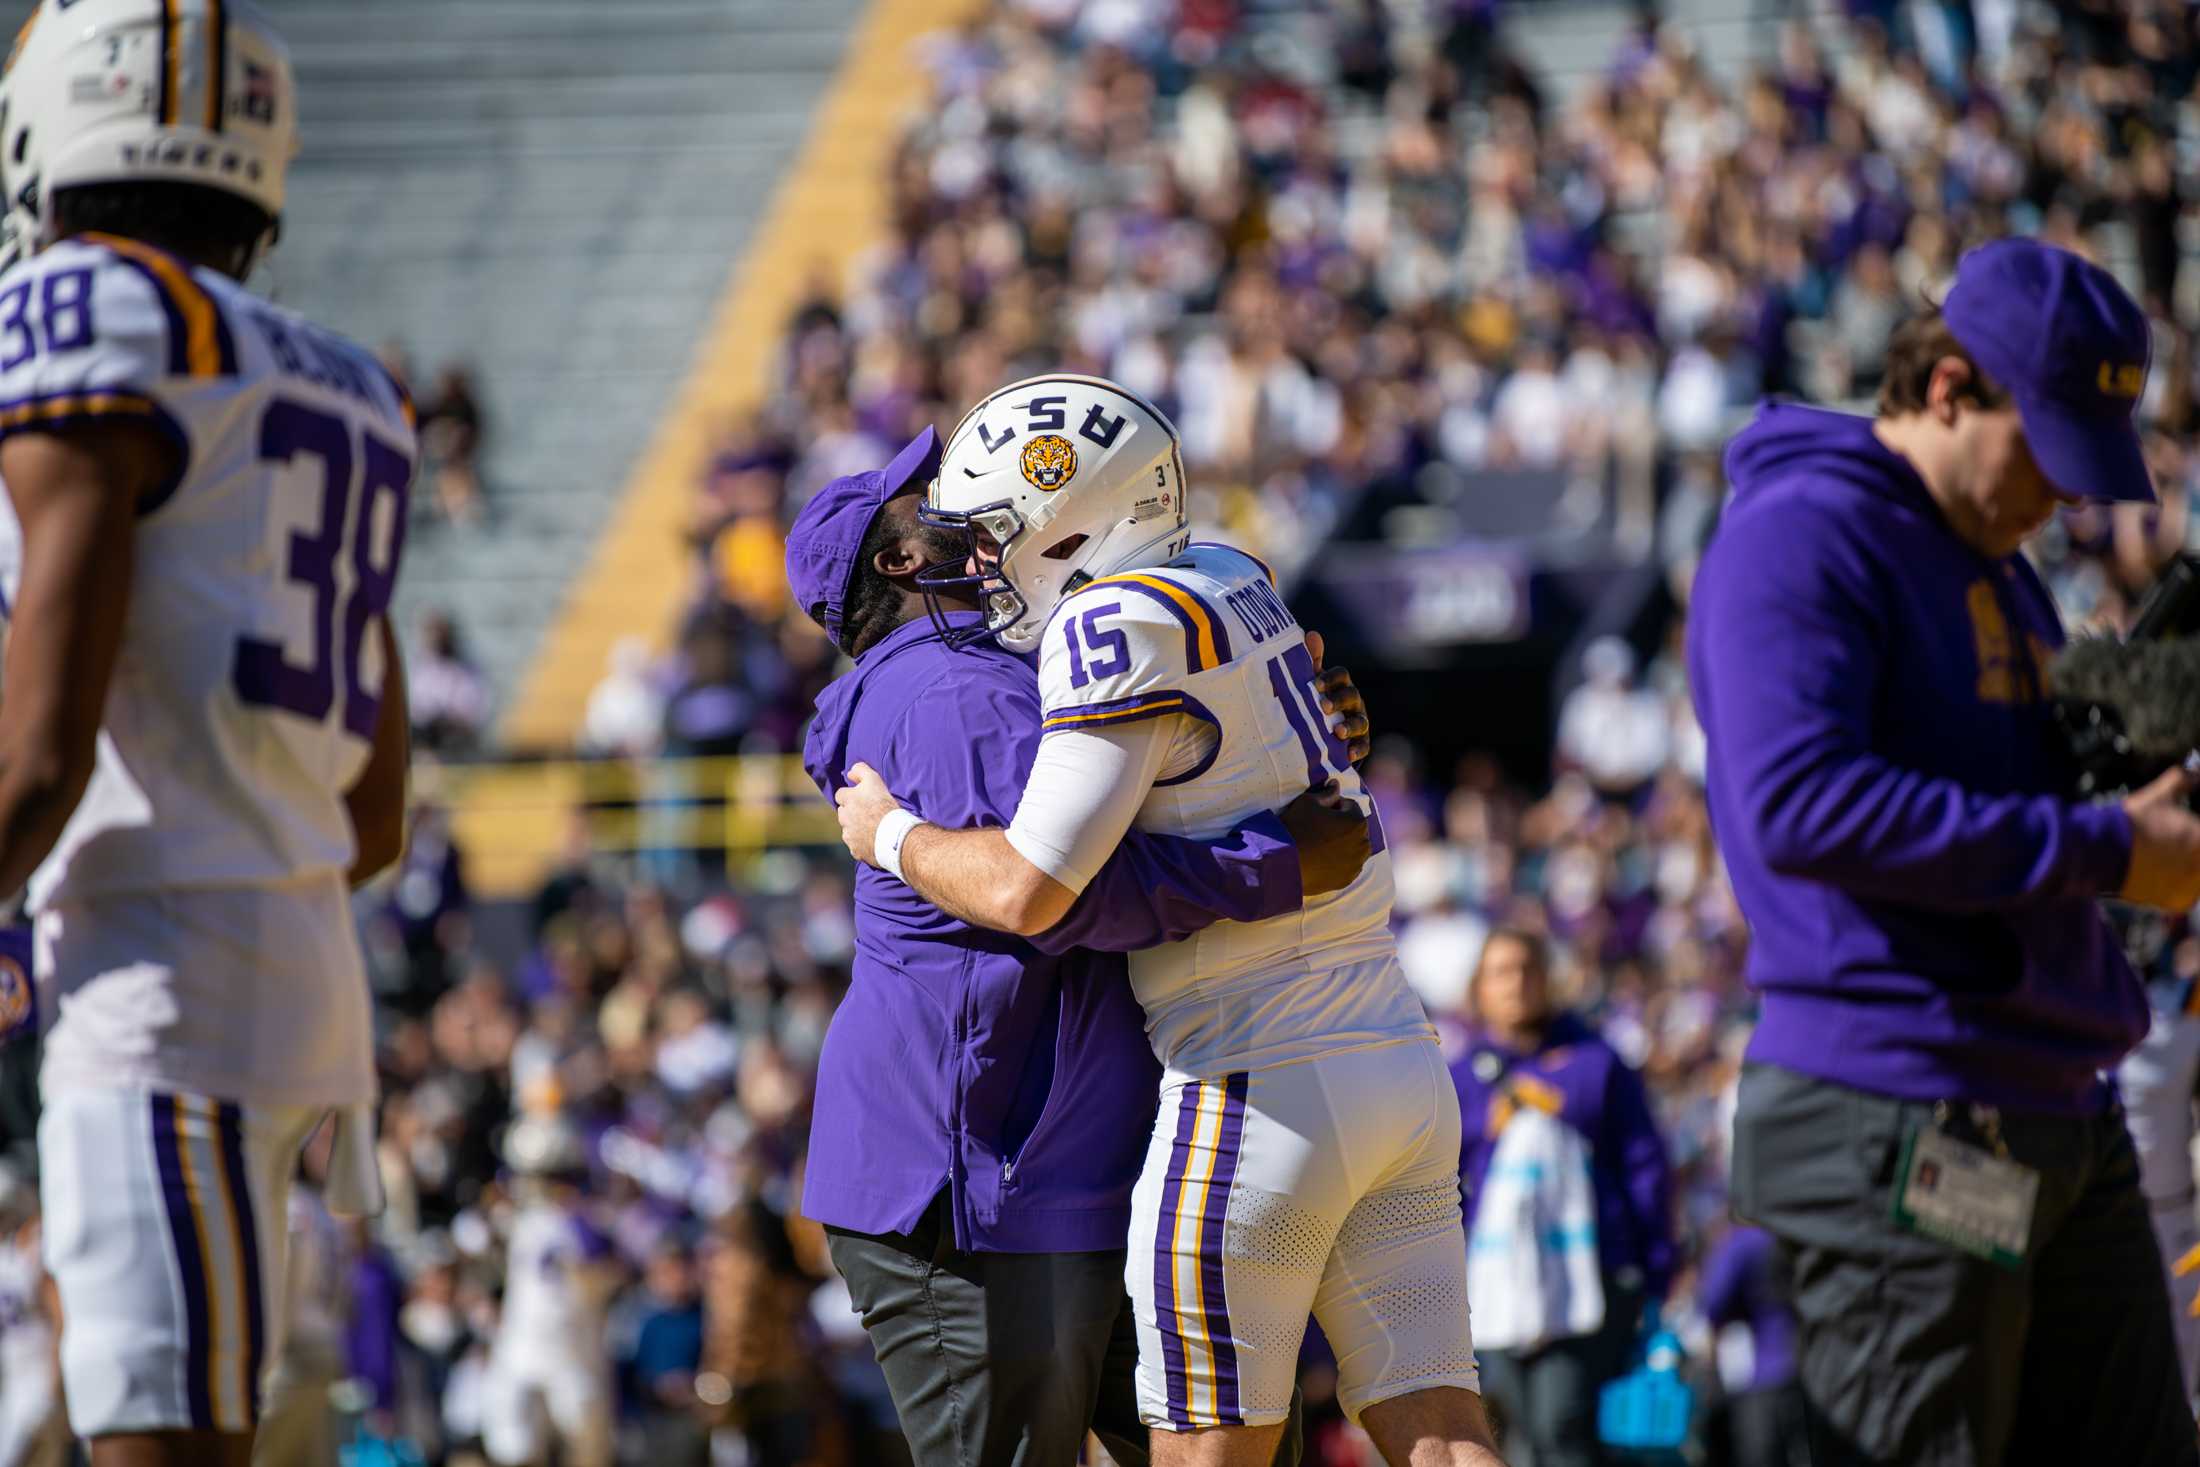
(208,226)
(1917,346)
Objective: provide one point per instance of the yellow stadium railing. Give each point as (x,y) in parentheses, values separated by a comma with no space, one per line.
(514,821)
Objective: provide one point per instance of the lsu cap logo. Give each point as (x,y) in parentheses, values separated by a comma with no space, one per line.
(2127,380)
(1049,461)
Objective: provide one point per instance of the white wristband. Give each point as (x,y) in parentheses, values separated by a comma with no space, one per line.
(886,843)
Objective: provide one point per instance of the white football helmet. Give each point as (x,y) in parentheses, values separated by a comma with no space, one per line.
(118,91)
(1069,479)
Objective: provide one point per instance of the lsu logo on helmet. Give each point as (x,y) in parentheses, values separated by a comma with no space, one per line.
(1049,461)
(17,1005)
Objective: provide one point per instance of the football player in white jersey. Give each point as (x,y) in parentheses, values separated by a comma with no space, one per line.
(32,1433)
(549,1375)
(1305,1157)
(203,732)
(2159,1083)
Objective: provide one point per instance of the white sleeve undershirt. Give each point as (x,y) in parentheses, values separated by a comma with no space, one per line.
(1086,786)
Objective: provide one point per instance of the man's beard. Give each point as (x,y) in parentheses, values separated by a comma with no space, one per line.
(944,548)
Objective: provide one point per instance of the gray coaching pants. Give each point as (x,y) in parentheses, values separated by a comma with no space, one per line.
(1002,1359)
(1916,1354)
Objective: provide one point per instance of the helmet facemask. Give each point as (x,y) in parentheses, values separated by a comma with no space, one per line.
(999,603)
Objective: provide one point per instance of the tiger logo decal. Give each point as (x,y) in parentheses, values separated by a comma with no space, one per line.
(1049,461)
(17,1006)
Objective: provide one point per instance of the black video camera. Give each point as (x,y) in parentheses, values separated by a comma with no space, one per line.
(2130,707)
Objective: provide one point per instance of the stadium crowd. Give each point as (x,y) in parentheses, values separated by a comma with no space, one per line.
(1357,248)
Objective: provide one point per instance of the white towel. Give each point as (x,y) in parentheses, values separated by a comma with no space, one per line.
(354,1186)
(1532,1274)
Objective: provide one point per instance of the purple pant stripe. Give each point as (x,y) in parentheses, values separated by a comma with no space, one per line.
(183,1231)
(1211,1281)
(231,1131)
(1164,1260)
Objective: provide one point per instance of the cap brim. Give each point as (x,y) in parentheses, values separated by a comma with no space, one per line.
(2087,456)
(918,461)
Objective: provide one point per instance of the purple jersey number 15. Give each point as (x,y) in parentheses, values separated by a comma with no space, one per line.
(352,484)
(1109,641)
(1291,676)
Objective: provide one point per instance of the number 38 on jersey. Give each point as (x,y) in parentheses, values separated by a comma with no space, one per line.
(254,677)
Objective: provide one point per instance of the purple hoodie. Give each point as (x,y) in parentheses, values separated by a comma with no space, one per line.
(1887,788)
(1015,1073)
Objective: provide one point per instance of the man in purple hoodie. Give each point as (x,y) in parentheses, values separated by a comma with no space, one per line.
(1922,1123)
(984,1101)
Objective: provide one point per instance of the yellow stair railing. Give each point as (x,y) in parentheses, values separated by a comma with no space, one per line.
(514,821)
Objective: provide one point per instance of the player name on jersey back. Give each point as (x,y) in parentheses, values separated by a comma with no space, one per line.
(246,696)
(1207,637)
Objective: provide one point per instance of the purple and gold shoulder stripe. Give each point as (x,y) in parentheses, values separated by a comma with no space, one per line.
(46,411)
(1122,710)
(1206,640)
(1158,704)
(199,343)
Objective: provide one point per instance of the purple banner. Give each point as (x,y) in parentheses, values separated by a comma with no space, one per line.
(1417,599)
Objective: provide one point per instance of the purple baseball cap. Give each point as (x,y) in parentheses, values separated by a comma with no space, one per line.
(828,532)
(2071,348)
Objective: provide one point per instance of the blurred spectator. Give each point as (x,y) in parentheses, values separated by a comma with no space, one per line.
(424,909)
(695,1052)
(577,883)
(450,442)
(711,709)
(374,1293)
(449,697)
(298,1421)
(397,362)
(626,712)
(438,1334)
(757,1373)
(1523,1055)
(668,1348)
(34,1430)
(736,526)
(1760,1417)
(1612,729)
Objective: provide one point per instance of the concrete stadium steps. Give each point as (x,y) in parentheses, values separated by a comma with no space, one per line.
(1569,44)
(828,209)
(553,191)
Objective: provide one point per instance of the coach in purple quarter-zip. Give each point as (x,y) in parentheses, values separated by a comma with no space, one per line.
(983,1101)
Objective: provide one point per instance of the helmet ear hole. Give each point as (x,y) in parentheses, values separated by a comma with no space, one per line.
(1064,549)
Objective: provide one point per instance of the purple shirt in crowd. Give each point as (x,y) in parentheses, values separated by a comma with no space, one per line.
(1738,1288)
(1014,1073)
(1889,793)
(371,1334)
(1602,1099)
